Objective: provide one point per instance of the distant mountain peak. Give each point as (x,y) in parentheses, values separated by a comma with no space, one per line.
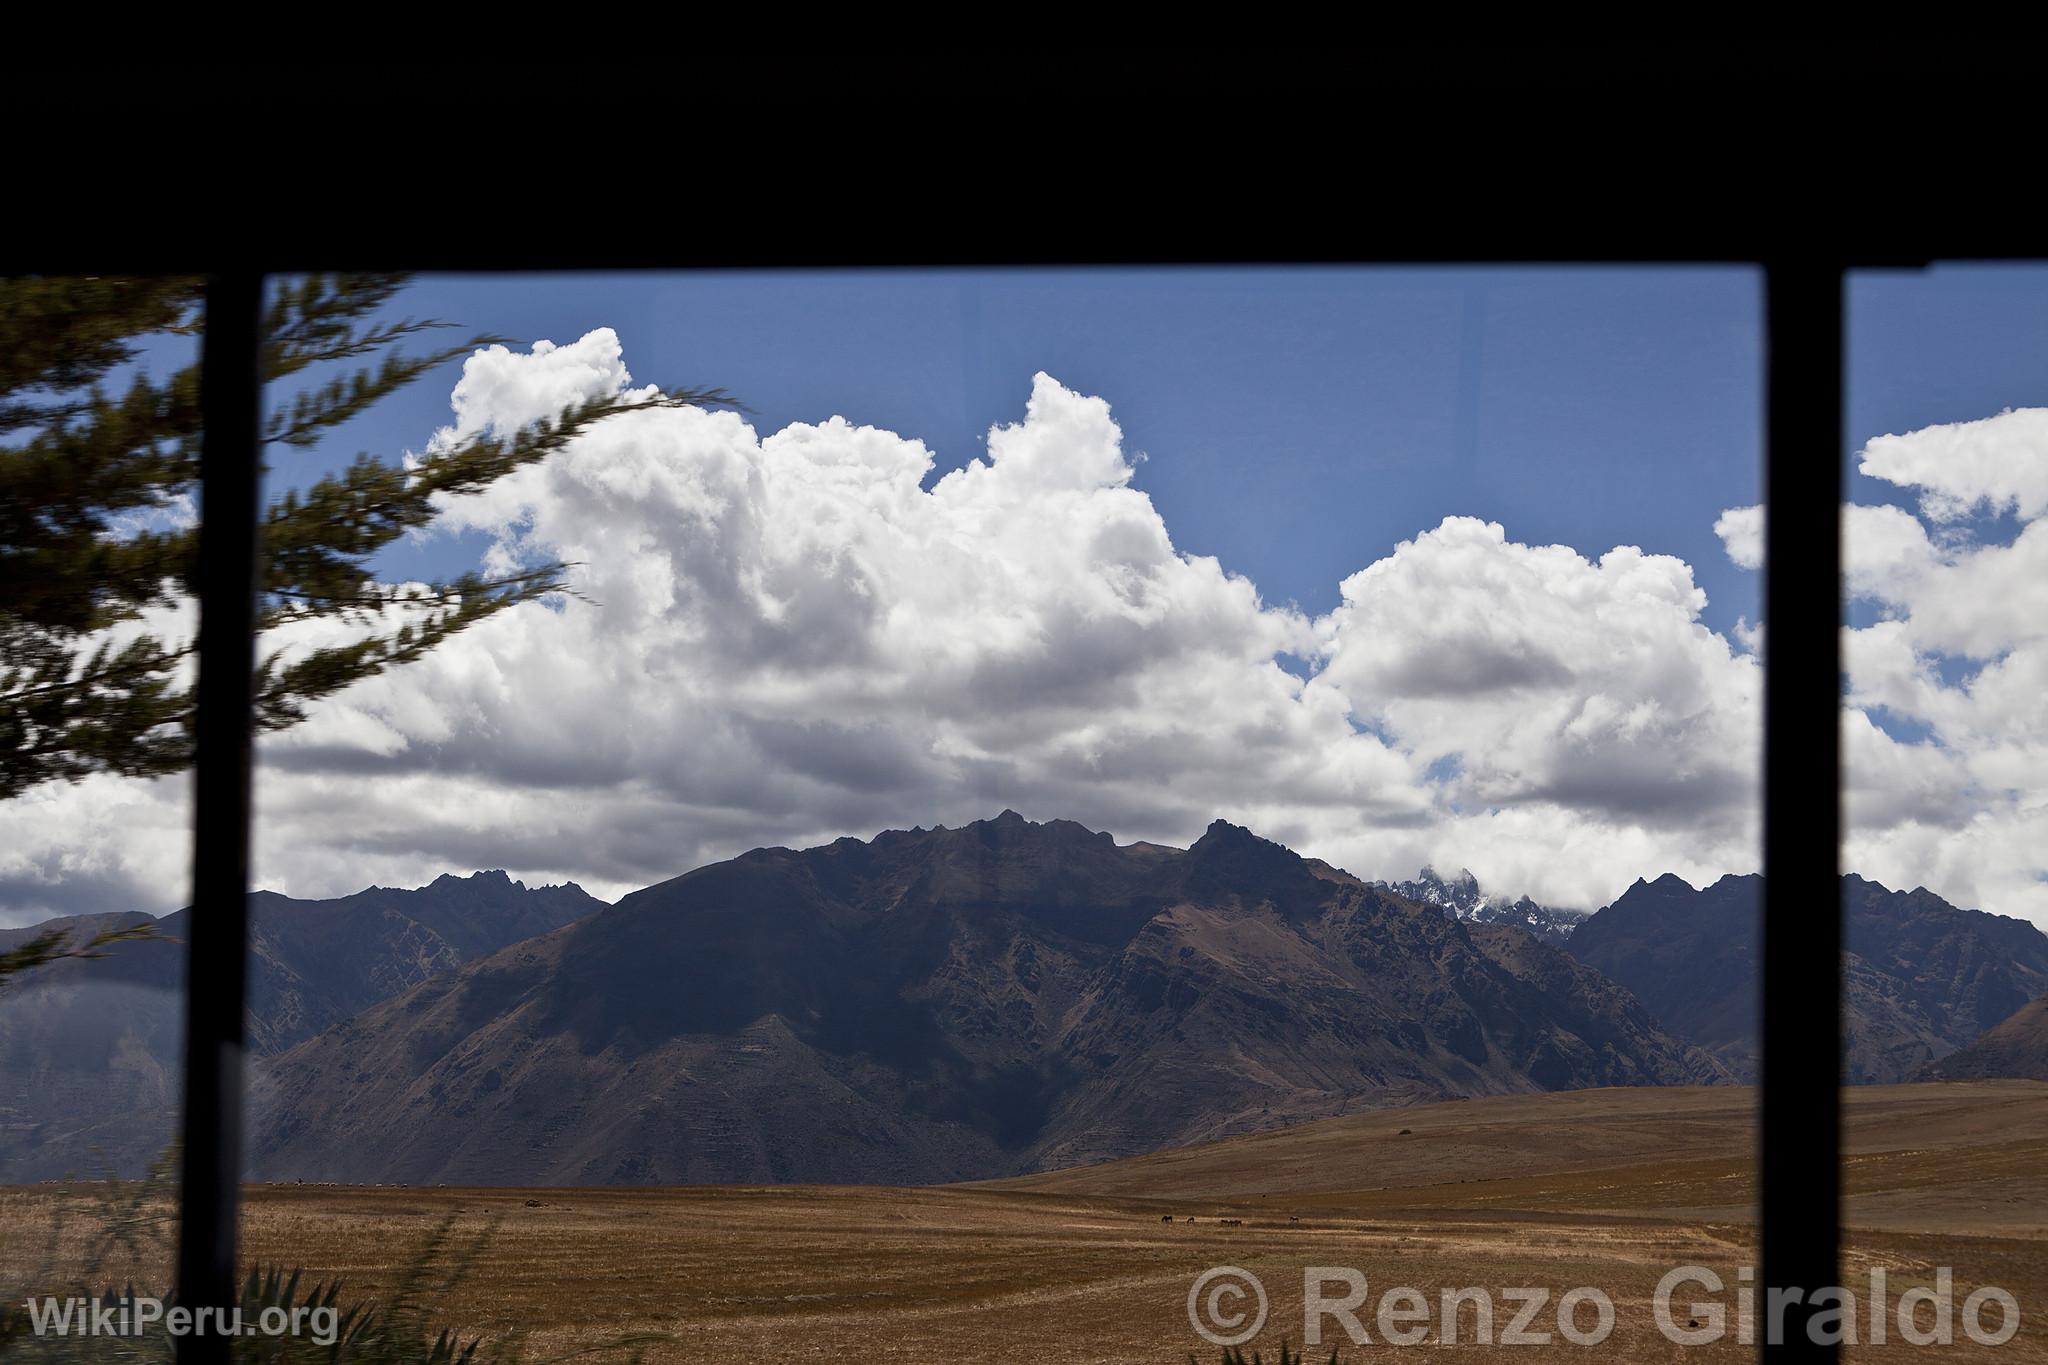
(1231,861)
(1461,897)
(1664,884)
(1223,840)
(1221,831)
(496,876)
(1010,829)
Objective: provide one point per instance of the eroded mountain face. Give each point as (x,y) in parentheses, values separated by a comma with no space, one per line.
(91,1052)
(1920,977)
(945,1004)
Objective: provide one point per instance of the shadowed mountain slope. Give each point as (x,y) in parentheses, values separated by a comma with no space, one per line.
(91,1050)
(2016,1048)
(943,1004)
(1921,978)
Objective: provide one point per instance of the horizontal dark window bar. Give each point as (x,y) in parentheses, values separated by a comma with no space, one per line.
(1801,1106)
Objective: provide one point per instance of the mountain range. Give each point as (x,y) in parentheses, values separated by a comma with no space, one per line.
(1920,978)
(91,1050)
(944,1004)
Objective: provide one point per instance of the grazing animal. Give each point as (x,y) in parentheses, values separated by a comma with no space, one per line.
(1166,1218)
(1294,1218)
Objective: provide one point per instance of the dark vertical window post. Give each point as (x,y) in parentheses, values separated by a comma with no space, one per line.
(217,956)
(1802,928)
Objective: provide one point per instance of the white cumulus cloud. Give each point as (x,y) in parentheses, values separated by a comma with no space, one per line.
(1742,534)
(1957,663)
(790,636)
(1995,464)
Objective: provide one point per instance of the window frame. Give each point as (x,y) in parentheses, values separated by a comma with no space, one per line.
(1799,1096)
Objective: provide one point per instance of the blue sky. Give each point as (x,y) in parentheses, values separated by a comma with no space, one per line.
(1298,422)
(778,641)
(1590,408)
(1951,344)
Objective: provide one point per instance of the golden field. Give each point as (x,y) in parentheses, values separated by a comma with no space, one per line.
(1605,1188)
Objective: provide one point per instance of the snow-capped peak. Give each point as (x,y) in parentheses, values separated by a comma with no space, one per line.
(1460,896)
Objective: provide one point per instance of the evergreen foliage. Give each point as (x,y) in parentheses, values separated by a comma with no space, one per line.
(51,945)
(99,469)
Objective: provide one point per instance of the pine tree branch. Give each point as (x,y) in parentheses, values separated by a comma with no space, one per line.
(343,397)
(54,945)
(79,554)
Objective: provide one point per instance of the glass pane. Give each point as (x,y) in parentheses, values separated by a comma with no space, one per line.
(1086,778)
(98,433)
(1948,885)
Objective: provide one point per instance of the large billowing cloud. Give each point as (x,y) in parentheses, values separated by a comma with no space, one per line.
(790,637)
(1945,734)
(1554,680)
(1960,656)
(1994,465)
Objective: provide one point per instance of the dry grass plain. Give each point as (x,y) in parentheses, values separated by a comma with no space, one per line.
(1606,1188)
